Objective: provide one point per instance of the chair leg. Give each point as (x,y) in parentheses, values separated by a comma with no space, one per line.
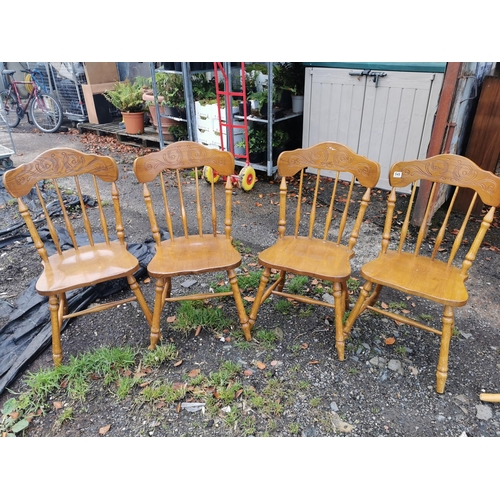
(281,281)
(56,330)
(158,307)
(444,350)
(134,286)
(339,301)
(264,280)
(245,325)
(364,295)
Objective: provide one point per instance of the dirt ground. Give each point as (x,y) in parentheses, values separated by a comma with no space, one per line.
(379,390)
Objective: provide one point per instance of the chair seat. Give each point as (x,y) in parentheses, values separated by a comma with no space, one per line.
(193,255)
(300,255)
(418,275)
(88,265)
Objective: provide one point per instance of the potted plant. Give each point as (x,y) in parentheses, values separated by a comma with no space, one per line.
(179,132)
(126,96)
(257,144)
(149,99)
(290,78)
(280,142)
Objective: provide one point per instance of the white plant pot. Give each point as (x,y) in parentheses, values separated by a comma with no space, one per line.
(297,103)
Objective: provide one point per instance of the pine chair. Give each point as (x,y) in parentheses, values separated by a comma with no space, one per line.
(83,265)
(408,266)
(203,249)
(304,252)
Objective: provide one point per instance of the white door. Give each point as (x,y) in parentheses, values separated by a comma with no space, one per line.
(386,119)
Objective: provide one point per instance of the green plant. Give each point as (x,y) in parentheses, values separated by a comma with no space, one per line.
(162,353)
(294,428)
(12,421)
(315,402)
(65,416)
(266,338)
(280,138)
(283,306)
(257,140)
(127,96)
(297,284)
(194,313)
(290,76)
(180,131)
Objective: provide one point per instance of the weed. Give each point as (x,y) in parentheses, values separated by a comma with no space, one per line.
(165,392)
(266,338)
(305,313)
(353,370)
(294,429)
(315,402)
(125,384)
(400,350)
(162,353)
(232,417)
(295,348)
(65,416)
(298,284)
(248,425)
(352,284)
(426,317)
(455,332)
(397,305)
(283,306)
(249,281)
(12,421)
(303,385)
(194,313)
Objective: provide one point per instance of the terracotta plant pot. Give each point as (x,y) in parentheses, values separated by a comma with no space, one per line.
(134,122)
(166,123)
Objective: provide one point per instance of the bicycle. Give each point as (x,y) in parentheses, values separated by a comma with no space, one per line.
(41,108)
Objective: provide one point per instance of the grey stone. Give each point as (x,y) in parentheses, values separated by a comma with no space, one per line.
(483,412)
(188,283)
(396,366)
(334,406)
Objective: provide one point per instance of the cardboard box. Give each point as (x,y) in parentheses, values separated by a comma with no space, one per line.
(100,72)
(96,104)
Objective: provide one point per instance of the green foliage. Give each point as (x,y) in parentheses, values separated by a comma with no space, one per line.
(194,313)
(180,131)
(289,76)
(12,421)
(162,353)
(127,96)
(257,140)
(297,284)
(283,306)
(266,338)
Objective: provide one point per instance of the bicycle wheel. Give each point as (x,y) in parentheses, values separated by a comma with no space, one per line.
(9,108)
(46,113)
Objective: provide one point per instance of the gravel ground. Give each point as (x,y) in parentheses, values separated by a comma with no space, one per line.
(379,390)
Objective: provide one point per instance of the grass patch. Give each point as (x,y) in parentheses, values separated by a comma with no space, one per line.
(194,313)
(283,306)
(162,353)
(297,285)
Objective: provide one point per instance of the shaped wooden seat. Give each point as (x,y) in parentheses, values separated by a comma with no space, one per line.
(418,266)
(303,252)
(204,247)
(82,265)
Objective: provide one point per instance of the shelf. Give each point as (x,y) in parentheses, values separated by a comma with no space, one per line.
(252,118)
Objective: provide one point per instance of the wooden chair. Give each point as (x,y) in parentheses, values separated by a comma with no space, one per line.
(83,265)
(303,252)
(198,250)
(408,265)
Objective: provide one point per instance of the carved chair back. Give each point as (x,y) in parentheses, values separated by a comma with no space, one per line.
(332,159)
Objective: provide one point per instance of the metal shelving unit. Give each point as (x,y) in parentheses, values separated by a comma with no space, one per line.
(190,119)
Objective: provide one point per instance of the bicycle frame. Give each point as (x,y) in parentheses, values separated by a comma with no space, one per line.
(33,94)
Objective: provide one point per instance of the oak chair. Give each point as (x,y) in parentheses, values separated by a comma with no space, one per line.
(415,264)
(323,253)
(86,264)
(202,242)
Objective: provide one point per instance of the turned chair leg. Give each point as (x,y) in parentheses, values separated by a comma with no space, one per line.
(264,280)
(444,350)
(134,286)
(158,307)
(339,302)
(56,330)
(245,325)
